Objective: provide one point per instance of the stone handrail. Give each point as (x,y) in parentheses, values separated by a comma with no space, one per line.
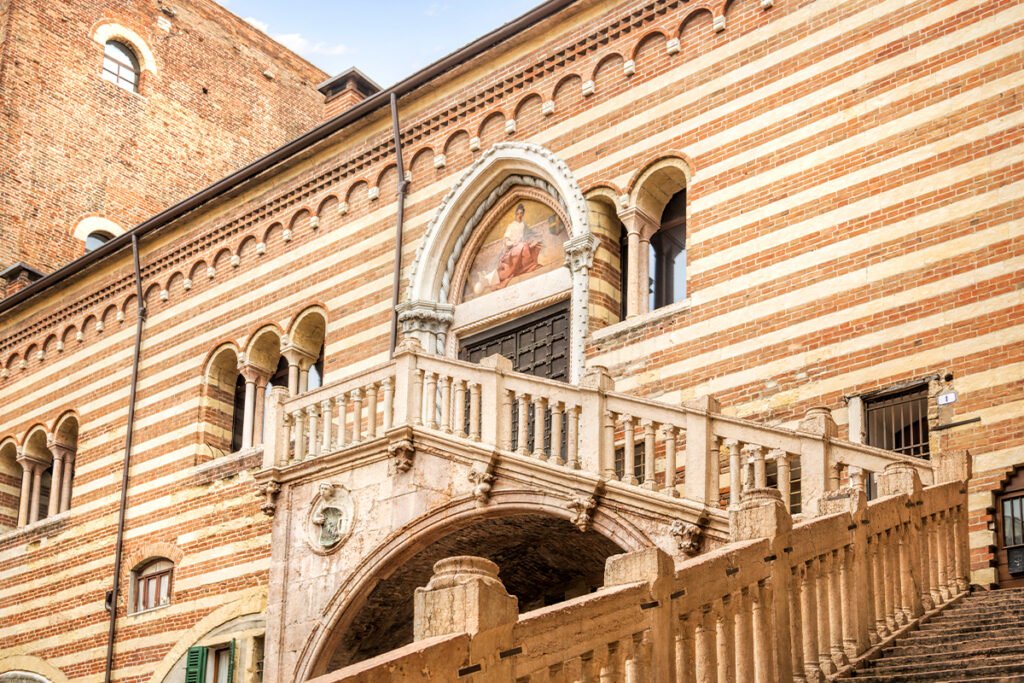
(690,449)
(781,602)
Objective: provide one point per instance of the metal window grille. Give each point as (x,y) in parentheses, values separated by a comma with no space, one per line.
(899,421)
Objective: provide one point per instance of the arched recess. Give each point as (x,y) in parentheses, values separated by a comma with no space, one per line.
(428,310)
(525,532)
(36,452)
(29,669)
(10,484)
(305,339)
(218,418)
(607,279)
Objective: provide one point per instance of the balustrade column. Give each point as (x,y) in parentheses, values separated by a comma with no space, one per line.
(878,586)
(540,406)
(608,447)
(417,397)
(835,609)
(724,640)
(941,555)
(299,422)
(556,433)
(783,474)
(342,402)
(628,451)
(926,557)
(744,646)
(960,550)
(572,440)
(460,408)
(847,601)
(889,579)
(357,415)
(764,633)
(796,648)
(684,650)
(474,416)
(505,423)
(26,491)
(313,430)
(671,461)
(327,424)
(430,388)
(649,454)
(445,384)
(706,663)
(950,537)
(824,619)
(523,426)
(371,411)
(909,596)
(389,403)
(933,560)
(755,454)
(53,504)
(735,472)
(809,621)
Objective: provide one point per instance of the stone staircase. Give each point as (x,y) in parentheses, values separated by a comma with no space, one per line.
(979,638)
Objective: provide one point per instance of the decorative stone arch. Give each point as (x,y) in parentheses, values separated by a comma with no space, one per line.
(252,602)
(29,669)
(308,331)
(350,597)
(428,311)
(11,475)
(216,408)
(652,187)
(106,31)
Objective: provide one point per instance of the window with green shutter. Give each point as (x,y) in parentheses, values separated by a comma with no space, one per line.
(195,665)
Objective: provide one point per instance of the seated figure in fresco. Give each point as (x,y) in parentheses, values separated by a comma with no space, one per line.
(520,252)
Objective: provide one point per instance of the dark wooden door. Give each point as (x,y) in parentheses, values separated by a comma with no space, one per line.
(1010,531)
(537,344)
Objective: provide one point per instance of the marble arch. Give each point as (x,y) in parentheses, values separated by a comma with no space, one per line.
(428,310)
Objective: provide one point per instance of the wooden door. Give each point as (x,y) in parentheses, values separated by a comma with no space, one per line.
(1010,531)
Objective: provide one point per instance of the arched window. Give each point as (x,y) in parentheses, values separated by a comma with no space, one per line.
(238,414)
(668,254)
(316,372)
(120,65)
(151,584)
(95,240)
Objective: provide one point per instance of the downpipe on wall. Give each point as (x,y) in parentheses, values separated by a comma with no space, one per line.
(403,186)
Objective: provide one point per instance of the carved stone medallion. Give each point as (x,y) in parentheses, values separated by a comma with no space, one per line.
(330,518)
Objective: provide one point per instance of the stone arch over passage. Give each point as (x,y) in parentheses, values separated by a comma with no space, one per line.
(543,559)
(514,173)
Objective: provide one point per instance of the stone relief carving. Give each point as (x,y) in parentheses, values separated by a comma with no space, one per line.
(582,508)
(482,481)
(269,491)
(401,453)
(330,517)
(689,536)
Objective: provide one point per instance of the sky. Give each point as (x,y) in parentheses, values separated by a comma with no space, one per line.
(386,39)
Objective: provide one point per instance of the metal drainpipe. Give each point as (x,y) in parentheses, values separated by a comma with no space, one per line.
(129,432)
(402,187)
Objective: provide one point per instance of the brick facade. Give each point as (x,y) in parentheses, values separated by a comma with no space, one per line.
(853,178)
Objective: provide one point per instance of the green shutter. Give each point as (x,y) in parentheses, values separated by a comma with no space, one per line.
(231,663)
(195,665)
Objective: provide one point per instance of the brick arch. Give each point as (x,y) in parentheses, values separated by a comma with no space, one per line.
(33,665)
(426,531)
(151,550)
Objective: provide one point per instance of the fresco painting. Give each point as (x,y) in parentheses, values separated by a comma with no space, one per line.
(525,241)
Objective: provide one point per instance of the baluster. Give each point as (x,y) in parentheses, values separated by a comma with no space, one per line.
(389,403)
(755,456)
(949,536)
(764,643)
(742,618)
(460,408)
(371,411)
(342,401)
(610,667)
(871,627)
(907,592)
(446,404)
(707,665)
(289,441)
(927,564)
(430,387)
(809,620)
(629,451)
(648,454)
(726,653)
(735,472)
(960,550)
(299,420)
(313,431)
(572,457)
(668,434)
(796,647)
(417,396)
(357,415)
(609,445)
(327,417)
(474,415)
(889,581)
(540,406)
(824,618)
(556,432)
(878,577)
(685,662)
(638,663)
(522,431)
(940,556)
(506,419)
(835,611)
(783,474)
(849,609)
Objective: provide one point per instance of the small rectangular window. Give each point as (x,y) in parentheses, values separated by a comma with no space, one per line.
(898,421)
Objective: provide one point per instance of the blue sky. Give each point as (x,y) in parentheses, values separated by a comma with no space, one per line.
(386,39)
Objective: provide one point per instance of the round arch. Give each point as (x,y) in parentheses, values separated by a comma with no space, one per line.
(606,530)
(29,669)
(427,311)
(107,31)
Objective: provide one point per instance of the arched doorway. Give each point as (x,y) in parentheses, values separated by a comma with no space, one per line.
(542,559)
(1010,531)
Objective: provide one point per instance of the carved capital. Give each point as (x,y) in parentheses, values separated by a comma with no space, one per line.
(579,253)
(425,316)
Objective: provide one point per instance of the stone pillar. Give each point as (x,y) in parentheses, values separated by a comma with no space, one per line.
(701,482)
(824,621)
(744,636)
(735,473)
(596,448)
(656,568)
(37,485)
(463,596)
(707,661)
(809,621)
(56,478)
(26,491)
(724,639)
(816,431)
(835,608)
(299,362)
(66,480)
(579,258)
(259,425)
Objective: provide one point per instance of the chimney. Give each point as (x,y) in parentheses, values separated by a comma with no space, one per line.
(16,278)
(346,90)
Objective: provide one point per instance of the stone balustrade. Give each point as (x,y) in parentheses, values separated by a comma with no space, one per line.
(690,450)
(780,602)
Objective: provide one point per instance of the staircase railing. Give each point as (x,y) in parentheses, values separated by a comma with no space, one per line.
(781,602)
(689,449)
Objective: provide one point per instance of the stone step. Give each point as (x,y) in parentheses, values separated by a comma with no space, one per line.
(979,626)
(974,612)
(880,667)
(922,649)
(970,670)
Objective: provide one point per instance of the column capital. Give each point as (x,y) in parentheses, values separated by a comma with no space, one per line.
(28,461)
(639,222)
(252,373)
(579,252)
(298,356)
(59,450)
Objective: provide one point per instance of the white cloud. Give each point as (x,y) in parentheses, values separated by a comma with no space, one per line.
(436,8)
(299,43)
